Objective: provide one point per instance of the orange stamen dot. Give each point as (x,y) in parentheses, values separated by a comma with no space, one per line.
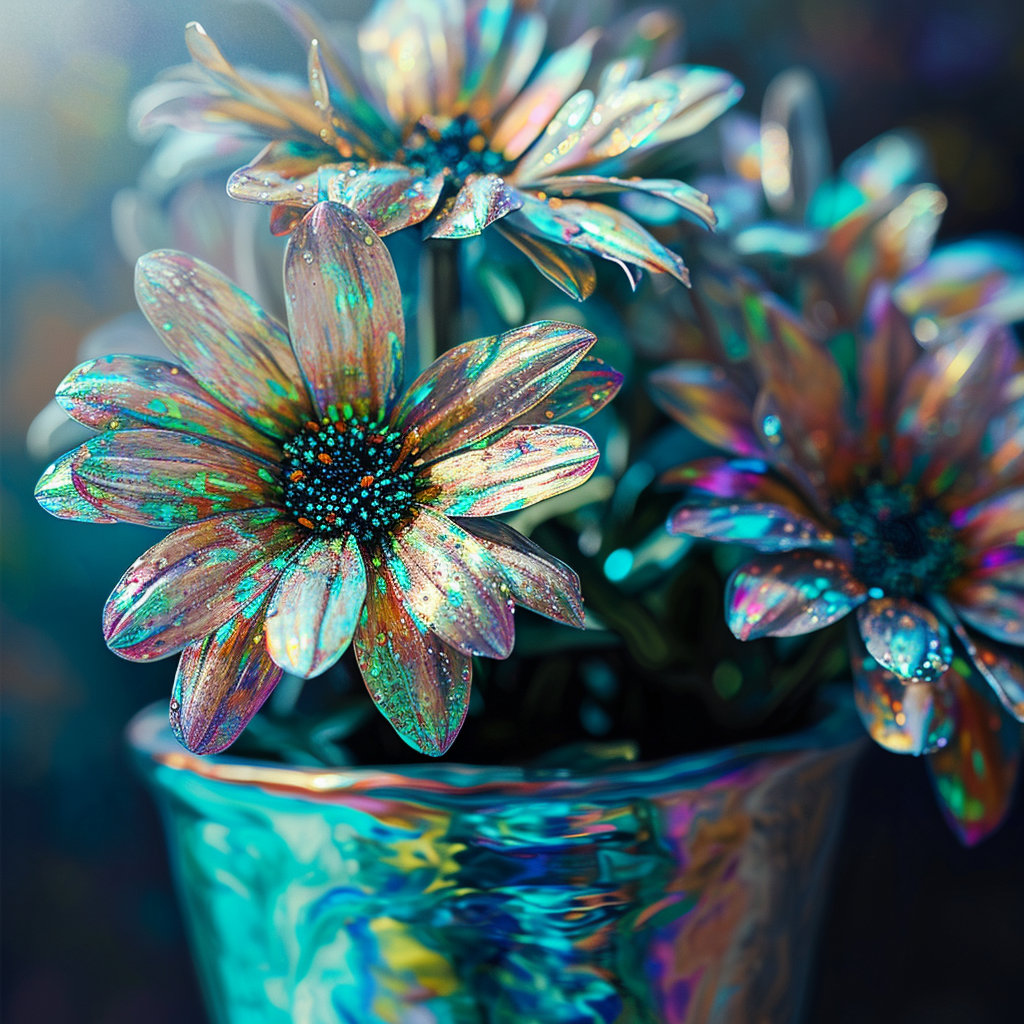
(314,426)
(296,476)
(325,458)
(303,521)
(366,481)
(330,517)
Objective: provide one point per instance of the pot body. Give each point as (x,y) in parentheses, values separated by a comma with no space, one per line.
(680,891)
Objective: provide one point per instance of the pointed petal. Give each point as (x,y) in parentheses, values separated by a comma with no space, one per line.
(789,595)
(482,200)
(134,392)
(557,80)
(419,683)
(284,172)
(521,466)
(388,197)
(1000,665)
(906,718)
(760,525)
(344,312)
(451,585)
(195,579)
(225,341)
(165,479)
(905,638)
(56,492)
(566,268)
(975,774)
(222,681)
(315,606)
(744,480)
(705,400)
(584,393)
(477,388)
(537,580)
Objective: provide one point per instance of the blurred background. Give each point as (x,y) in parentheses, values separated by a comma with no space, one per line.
(917,929)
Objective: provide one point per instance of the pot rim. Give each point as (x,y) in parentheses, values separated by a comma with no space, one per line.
(154,745)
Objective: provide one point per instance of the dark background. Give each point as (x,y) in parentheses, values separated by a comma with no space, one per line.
(918,929)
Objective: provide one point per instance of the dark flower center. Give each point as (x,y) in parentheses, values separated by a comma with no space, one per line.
(346,476)
(458,147)
(902,546)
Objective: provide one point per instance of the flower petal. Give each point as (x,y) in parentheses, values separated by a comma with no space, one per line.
(537,580)
(388,197)
(905,638)
(344,312)
(744,480)
(906,718)
(995,608)
(999,665)
(514,60)
(451,585)
(994,523)
(133,392)
(789,595)
(584,393)
(315,606)
(705,400)
(759,525)
(165,478)
(477,388)
(284,172)
(225,341)
(975,774)
(482,200)
(56,492)
(195,579)
(419,683)
(521,466)
(222,681)
(568,269)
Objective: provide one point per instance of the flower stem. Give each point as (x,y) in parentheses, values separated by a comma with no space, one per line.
(438,310)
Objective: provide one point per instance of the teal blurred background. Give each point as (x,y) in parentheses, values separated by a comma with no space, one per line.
(919,930)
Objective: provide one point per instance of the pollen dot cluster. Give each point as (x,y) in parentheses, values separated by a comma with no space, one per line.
(346,476)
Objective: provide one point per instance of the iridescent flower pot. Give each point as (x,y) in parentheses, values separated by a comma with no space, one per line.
(686,890)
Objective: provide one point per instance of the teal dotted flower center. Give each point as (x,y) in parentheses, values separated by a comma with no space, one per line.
(346,476)
(902,546)
(459,148)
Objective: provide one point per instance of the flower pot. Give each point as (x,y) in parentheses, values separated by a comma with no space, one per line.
(686,890)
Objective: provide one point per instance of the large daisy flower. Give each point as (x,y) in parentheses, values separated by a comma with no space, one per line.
(452,120)
(313,503)
(893,490)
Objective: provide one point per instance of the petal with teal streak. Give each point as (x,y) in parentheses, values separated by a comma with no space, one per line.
(906,638)
(743,480)
(482,200)
(521,466)
(315,606)
(57,493)
(419,683)
(225,341)
(584,393)
(568,269)
(222,681)
(537,580)
(790,594)
(388,197)
(477,388)
(195,579)
(759,525)
(451,585)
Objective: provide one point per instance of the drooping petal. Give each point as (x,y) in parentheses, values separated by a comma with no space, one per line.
(222,681)
(760,525)
(195,579)
(1000,665)
(556,81)
(976,772)
(165,479)
(905,638)
(388,197)
(584,393)
(568,269)
(521,466)
(744,480)
(477,388)
(56,492)
(344,312)
(791,594)
(537,580)
(225,341)
(906,718)
(705,400)
(451,585)
(134,392)
(315,606)
(419,683)
(482,200)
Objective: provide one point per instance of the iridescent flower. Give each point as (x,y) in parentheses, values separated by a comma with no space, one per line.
(452,119)
(313,503)
(891,487)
